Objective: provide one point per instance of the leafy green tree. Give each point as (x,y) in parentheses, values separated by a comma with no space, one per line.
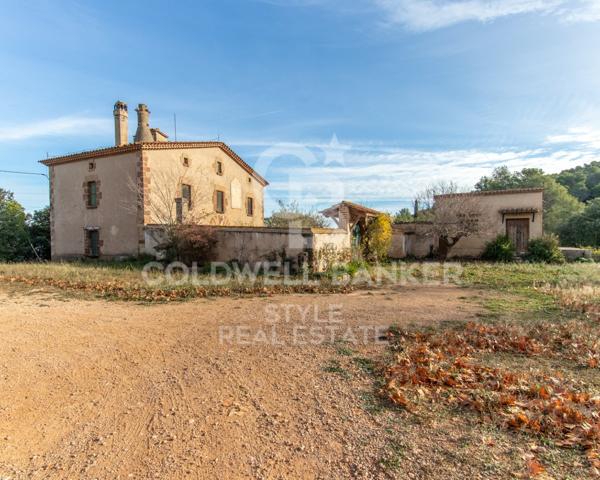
(291,215)
(14,238)
(582,182)
(38,226)
(559,205)
(403,215)
(583,229)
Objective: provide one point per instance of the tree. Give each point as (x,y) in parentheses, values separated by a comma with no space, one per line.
(403,215)
(291,215)
(14,241)
(559,204)
(582,182)
(583,229)
(450,215)
(174,202)
(38,226)
(378,238)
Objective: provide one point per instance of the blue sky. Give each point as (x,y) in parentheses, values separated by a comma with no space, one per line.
(369,100)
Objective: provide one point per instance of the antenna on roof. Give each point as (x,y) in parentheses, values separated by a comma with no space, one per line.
(175,124)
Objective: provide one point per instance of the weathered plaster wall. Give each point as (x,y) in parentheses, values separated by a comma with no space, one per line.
(411,240)
(167,166)
(257,244)
(491,205)
(115,215)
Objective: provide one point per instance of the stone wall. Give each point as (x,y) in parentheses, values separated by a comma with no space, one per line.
(319,246)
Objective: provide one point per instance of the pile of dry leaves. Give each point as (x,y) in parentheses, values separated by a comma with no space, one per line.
(442,367)
(115,289)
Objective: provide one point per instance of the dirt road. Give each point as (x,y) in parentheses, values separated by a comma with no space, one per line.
(107,390)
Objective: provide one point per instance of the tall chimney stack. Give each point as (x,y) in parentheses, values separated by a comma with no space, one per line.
(143,133)
(121,118)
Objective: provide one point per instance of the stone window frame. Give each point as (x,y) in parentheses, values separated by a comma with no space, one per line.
(216,201)
(219,167)
(87,244)
(87,194)
(250,202)
(189,197)
(92,166)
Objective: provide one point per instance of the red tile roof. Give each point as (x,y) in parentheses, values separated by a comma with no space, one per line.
(493,192)
(132,147)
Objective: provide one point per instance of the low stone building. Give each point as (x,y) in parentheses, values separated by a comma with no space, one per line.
(517,213)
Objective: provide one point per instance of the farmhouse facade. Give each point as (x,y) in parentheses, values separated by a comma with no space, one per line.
(104,202)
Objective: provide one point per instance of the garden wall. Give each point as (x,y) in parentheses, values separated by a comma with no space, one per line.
(319,246)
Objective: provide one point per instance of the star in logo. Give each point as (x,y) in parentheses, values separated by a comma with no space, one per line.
(334,152)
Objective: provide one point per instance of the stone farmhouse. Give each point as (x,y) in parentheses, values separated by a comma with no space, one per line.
(114,202)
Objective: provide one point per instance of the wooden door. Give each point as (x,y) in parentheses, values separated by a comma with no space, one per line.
(518,232)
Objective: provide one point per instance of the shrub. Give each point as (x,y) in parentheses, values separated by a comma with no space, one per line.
(188,243)
(378,238)
(501,249)
(545,249)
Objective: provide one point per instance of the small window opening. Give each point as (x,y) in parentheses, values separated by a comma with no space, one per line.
(220,202)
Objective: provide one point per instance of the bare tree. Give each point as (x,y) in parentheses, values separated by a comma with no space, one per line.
(176,199)
(175,195)
(449,215)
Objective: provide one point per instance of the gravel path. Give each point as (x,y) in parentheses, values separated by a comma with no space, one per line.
(108,390)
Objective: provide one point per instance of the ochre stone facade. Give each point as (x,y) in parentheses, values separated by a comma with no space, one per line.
(130,178)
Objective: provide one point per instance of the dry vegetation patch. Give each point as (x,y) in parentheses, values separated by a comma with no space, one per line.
(447,368)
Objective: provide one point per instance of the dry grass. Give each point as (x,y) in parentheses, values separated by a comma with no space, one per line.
(528,373)
(124,281)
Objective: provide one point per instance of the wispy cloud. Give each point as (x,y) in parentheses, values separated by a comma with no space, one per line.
(423,15)
(61,126)
(584,137)
(386,176)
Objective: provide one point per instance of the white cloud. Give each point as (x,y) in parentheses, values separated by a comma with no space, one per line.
(61,126)
(586,137)
(389,176)
(423,15)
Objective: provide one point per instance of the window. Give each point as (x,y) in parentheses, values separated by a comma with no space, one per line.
(186,194)
(250,206)
(220,202)
(92,166)
(186,161)
(219,168)
(92,195)
(92,243)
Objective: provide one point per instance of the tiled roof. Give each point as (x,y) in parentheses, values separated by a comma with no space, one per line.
(132,147)
(492,192)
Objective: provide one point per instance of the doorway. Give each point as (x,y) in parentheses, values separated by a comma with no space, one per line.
(92,243)
(517,230)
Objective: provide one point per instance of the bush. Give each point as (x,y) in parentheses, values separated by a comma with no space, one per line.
(501,249)
(378,238)
(545,249)
(188,243)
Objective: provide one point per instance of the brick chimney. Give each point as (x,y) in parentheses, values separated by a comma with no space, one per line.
(121,118)
(143,133)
